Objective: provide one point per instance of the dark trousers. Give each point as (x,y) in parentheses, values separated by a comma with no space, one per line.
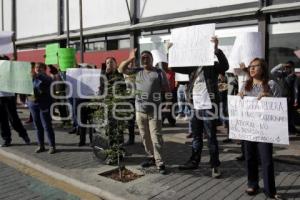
(169,115)
(131,123)
(200,124)
(4,124)
(10,112)
(85,117)
(264,150)
(42,122)
(292,113)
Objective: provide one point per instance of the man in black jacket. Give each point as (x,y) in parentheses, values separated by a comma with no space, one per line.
(203,92)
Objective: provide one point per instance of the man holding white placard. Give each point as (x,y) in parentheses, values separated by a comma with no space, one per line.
(203,92)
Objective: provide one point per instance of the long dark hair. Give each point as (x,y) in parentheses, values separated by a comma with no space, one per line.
(264,76)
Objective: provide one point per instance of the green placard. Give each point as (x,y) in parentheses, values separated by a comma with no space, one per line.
(15,77)
(52,54)
(66,58)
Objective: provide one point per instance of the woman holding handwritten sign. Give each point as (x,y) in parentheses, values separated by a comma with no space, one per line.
(258,85)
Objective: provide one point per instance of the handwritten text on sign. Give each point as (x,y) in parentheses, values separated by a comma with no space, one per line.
(255,120)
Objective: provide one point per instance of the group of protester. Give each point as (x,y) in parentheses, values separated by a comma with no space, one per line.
(151,81)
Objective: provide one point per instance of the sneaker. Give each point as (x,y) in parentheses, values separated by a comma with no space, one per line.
(251,191)
(186,118)
(178,117)
(40,150)
(162,169)
(52,150)
(216,173)
(276,196)
(190,164)
(148,163)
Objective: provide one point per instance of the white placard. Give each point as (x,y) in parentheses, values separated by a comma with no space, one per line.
(247,46)
(192,46)
(297,53)
(6,44)
(264,120)
(182,77)
(159,57)
(85,82)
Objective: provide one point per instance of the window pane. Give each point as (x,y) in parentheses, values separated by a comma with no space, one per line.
(282,47)
(124,44)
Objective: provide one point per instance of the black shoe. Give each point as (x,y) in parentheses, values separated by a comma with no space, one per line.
(80,144)
(73,131)
(190,164)
(240,158)
(227,141)
(40,149)
(148,163)
(5,144)
(162,169)
(26,140)
(128,143)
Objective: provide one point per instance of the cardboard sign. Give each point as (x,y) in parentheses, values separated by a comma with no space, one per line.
(247,46)
(297,53)
(52,54)
(192,46)
(182,77)
(158,57)
(6,44)
(66,58)
(15,77)
(264,120)
(85,82)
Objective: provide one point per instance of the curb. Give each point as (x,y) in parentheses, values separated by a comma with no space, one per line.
(287,160)
(61,177)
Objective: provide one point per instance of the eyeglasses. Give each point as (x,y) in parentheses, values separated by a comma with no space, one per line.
(254,66)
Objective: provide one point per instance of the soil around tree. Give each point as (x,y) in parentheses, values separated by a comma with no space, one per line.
(127,175)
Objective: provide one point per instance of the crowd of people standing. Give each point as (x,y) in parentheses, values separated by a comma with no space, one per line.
(154,86)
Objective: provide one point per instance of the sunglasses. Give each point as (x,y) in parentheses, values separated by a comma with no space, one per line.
(254,66)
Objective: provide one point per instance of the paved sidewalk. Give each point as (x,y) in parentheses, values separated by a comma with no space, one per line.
(79,167)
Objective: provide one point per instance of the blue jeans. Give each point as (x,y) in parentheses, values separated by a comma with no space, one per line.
(42,122)
(183,109)
(199,126)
